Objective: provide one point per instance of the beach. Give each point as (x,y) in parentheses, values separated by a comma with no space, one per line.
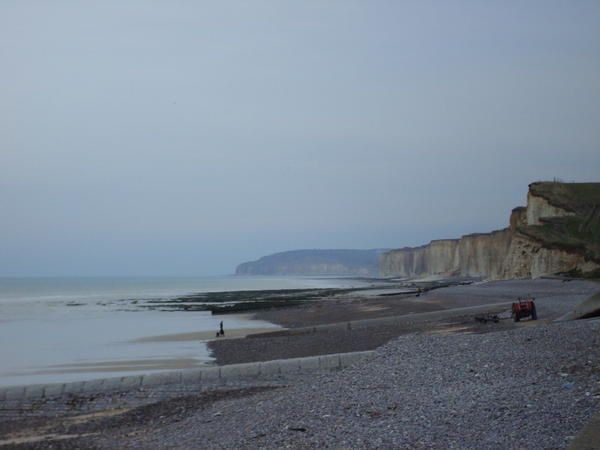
(435,376)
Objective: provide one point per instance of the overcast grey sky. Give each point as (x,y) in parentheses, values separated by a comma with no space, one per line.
(183,137)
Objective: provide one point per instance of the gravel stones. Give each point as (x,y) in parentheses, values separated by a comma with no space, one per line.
(499,390)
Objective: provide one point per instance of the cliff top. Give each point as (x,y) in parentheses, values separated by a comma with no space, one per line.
(579,232)
(574,197)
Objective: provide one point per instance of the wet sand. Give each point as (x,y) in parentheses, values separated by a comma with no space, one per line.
(204,336)
(152,364)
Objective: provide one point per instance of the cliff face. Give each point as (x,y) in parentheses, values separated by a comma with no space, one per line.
(528,258)
(538,209)
(482,255)
(558,231)
(438,257)
(314,262)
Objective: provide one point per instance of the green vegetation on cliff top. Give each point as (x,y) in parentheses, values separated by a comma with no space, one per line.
(575,197)
(580,232)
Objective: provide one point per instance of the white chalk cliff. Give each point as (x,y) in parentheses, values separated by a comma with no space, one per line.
(537,242)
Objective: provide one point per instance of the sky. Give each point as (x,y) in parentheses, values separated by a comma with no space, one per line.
(164,137)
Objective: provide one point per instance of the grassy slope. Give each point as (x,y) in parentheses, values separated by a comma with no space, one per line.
(575,197)
(580,232)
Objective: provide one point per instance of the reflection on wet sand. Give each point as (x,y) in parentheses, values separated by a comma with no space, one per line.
(205,335)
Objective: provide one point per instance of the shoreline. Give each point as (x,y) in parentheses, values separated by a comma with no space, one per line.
(146,353)
(303,330)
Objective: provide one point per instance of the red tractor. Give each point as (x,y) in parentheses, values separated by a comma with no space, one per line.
(525,307)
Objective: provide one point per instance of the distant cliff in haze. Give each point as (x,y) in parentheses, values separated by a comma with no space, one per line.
(315,262)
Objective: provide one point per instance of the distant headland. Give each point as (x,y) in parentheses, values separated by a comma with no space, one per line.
(315,262)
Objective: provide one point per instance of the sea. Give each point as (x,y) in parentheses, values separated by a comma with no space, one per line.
(81,328)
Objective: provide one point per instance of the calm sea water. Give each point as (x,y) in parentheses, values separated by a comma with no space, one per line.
(67,329)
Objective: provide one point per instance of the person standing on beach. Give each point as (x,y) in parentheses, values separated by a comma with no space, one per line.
(221,331)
